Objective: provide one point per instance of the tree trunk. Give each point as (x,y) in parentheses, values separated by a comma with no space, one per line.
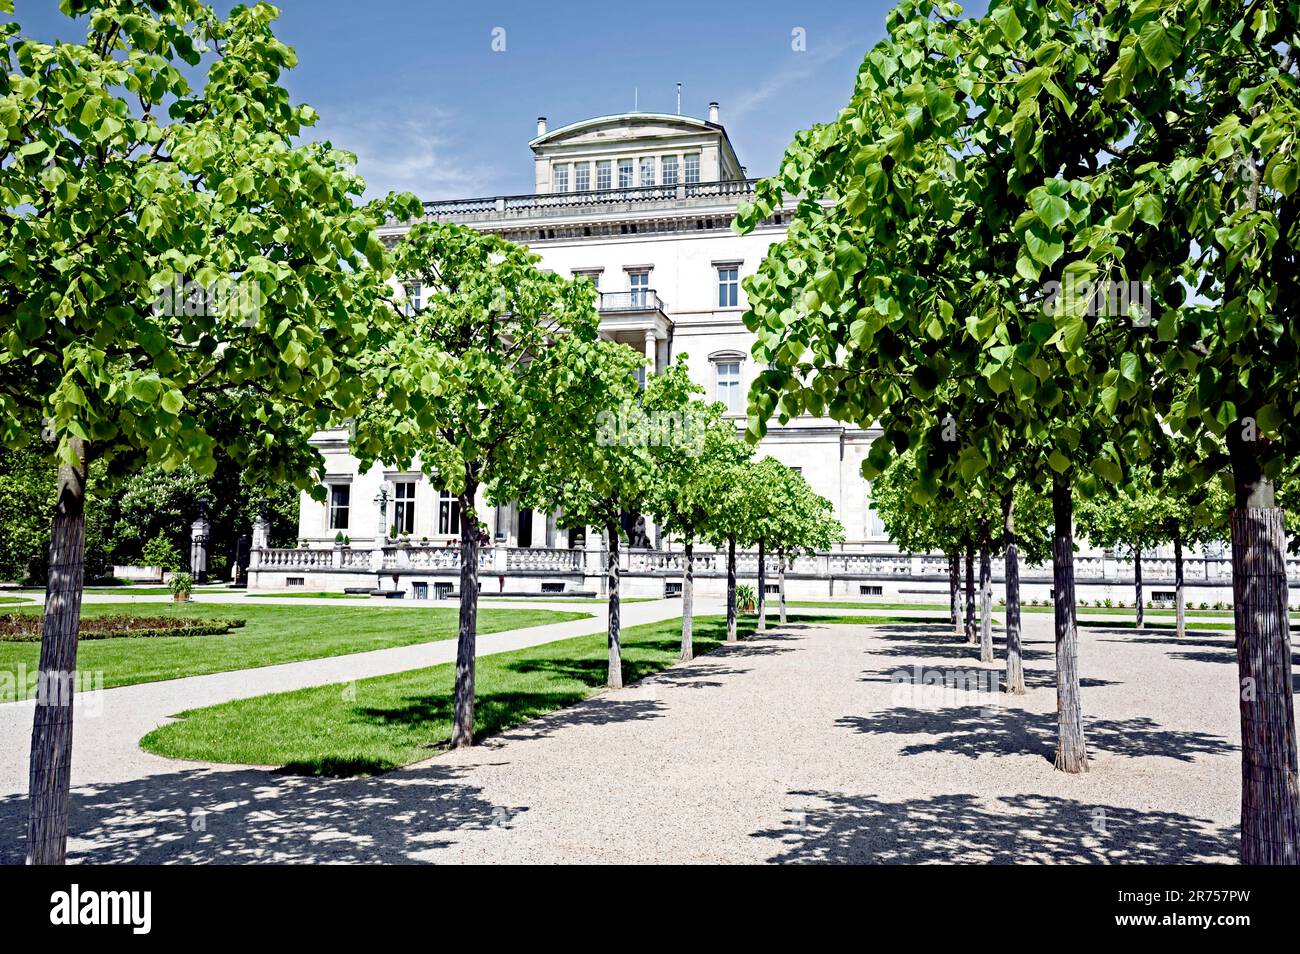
(1015,666)
(51,759)
(970,595)
(615,677)
(1180,597)
(762,587)
(780,586)
(986,596)
(1137,586)
(1270,799)
(688,601)
(462,729)
(731,589)
(1071,749)
(954,587)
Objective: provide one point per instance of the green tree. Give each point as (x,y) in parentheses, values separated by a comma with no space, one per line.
(801,522)
(693,472)
(163,150)
(499,367)
(26,500)
(595,480)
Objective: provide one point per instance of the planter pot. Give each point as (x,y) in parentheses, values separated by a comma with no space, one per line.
(180,597)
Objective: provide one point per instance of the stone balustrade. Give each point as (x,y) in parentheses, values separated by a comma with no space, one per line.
(881,566)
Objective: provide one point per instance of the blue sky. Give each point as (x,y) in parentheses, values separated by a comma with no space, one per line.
(417,91)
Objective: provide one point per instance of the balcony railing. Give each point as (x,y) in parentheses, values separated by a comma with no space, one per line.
(639,299)
(725,191)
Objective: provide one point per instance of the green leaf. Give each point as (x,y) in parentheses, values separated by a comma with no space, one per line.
(1159,46)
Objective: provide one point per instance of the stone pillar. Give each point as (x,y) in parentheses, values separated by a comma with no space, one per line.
(199,547)
(552,529)
(512,524)
(651,352)
(261,533)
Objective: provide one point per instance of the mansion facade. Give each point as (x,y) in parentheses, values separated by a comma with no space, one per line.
(641,204)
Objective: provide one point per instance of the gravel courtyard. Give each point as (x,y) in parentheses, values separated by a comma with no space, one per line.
(816,743)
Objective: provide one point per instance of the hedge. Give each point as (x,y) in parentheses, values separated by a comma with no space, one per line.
(26,627)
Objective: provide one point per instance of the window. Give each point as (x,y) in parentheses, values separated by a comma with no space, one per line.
(729,386)
(625,173)
(603,174)
(638,283)
(448,514)
(647,171)
(340,505)
(582,176)
(404,508)
(869,589)
(728,285)
(413,293)
(692,168)
(591,276)
(668,170)
(295,580)
(561,179)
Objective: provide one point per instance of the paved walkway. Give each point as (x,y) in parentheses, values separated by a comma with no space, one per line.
(110,722)
(814,743)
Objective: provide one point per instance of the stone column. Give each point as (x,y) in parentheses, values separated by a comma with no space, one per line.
(651,352)
(199,547)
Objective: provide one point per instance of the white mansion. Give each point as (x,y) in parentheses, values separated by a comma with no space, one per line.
(641,204)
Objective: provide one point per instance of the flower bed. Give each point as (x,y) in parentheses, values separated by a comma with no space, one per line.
(26,627)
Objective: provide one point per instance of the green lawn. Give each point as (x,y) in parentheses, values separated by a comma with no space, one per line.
(1082,610)
(312,596)
(133,590)
(394,720)
(6,600)
(566,599)
(273,634)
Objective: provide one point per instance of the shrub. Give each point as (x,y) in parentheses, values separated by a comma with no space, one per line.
(26,627)
(160,551)
(1108,602)
(181,584)
(746,598)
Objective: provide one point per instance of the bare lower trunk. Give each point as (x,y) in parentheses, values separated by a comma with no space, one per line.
(1137,586)
(1071,749)
(970,595)
(780,587)
(731,589)
(51,758)
(1180,596)
(762,587)
(1015,666)
(986,597)
(462,728)
(954,587)
(688,600)
(615,676)
(1270,799)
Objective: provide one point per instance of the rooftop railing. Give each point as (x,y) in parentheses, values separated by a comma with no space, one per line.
(523,206)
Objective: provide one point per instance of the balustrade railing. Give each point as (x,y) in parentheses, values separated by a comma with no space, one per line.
(1156,571)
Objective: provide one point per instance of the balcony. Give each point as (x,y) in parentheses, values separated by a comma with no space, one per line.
(637,300)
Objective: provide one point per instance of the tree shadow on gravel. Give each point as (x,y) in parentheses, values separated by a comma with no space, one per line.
(1017,829)
(241,816)
(919,675)
(972,731)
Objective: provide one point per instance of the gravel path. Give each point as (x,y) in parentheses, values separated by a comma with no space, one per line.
(110,722)
(814,743)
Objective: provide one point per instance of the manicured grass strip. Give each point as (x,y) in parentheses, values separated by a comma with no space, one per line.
(570,599)
(271,635)
(310,596)
(1024,608)
(378,724)
(13,599)
(135,590)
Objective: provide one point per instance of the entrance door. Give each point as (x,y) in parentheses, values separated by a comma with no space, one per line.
(525,528)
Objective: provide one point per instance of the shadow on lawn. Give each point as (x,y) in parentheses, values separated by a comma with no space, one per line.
(973,731)
(250,816)
(1014,829)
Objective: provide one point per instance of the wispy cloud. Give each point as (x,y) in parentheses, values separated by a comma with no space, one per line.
(406,153)
(799,66)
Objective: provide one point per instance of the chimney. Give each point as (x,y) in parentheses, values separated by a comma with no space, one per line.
(541,125)
(713,113)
